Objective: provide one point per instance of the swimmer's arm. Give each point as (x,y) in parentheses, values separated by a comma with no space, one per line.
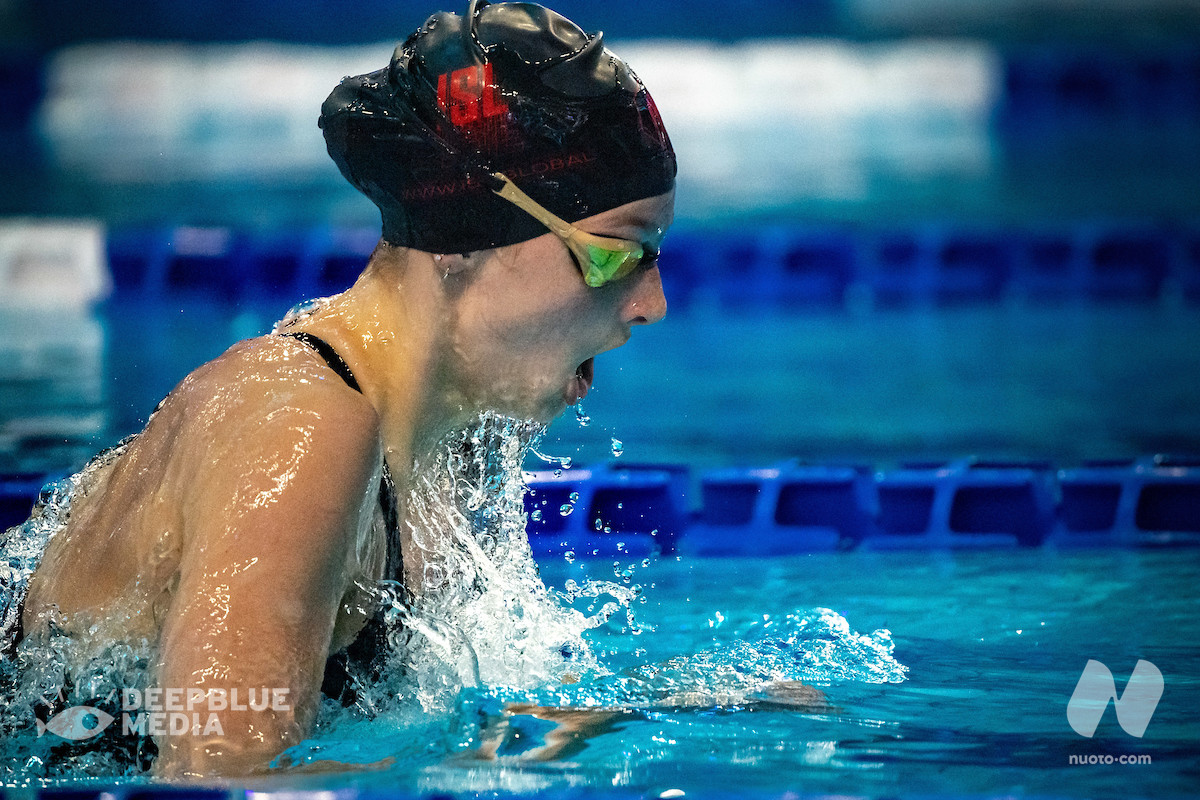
(271,520)
(574,726)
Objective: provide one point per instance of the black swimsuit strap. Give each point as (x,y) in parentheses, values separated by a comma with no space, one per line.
(326,351)
(387,489)
(364,657)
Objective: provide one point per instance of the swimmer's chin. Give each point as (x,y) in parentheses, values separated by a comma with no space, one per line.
(541,408)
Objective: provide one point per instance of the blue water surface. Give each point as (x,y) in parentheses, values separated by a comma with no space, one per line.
(993,646)
(709,386)
(992,642)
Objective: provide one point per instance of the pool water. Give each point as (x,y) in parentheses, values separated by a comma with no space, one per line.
(708,387)
(988,646)
(993,646)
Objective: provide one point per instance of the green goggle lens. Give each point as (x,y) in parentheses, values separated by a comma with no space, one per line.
(604,265)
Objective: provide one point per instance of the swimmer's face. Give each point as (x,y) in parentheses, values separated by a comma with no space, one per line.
(528,327)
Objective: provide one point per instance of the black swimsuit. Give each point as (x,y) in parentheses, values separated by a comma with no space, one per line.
(362,659)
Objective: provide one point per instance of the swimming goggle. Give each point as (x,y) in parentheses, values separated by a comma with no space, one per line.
(601,259)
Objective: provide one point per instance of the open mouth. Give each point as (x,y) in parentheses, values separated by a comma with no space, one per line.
(582,382)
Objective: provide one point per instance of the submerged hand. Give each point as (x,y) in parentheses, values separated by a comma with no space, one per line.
(285,764)
(794,695)
(573,727)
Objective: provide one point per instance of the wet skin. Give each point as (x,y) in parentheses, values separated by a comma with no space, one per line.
(232,531)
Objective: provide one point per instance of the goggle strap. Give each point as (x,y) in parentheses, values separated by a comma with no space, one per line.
(594,274)
(509,191)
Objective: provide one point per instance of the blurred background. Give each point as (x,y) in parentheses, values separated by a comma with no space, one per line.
(906,228)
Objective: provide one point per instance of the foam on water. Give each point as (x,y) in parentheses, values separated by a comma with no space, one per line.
(478,630)
(50,670)
(481,607)
(485,630)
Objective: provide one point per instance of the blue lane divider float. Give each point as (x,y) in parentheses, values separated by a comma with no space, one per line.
(1055,85)
(605,511)
(817,268)
(905,268)
(1127,264)
(1144,501)
(968,503)
(791,508)
(215,262)
(636,510)
(152,793)
(964,504)
(774,267)
(1049,266)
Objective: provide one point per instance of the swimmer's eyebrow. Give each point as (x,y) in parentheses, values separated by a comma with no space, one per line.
(647,235)
(634,228)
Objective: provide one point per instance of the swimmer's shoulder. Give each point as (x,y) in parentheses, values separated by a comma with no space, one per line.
(269,386)
(265,374)
(266,432)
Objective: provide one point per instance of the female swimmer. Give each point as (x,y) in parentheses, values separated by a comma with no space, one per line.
(525,182)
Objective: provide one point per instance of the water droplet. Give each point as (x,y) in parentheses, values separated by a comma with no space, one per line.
(536,516)
(598,524)
(617,448)
(620,505)
(565,509)
(581,416)
(573,497)
(569,557)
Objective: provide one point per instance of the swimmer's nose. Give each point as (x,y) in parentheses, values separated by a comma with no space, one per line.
(646,303)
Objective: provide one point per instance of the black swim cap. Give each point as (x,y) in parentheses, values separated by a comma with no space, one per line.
(510,87)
